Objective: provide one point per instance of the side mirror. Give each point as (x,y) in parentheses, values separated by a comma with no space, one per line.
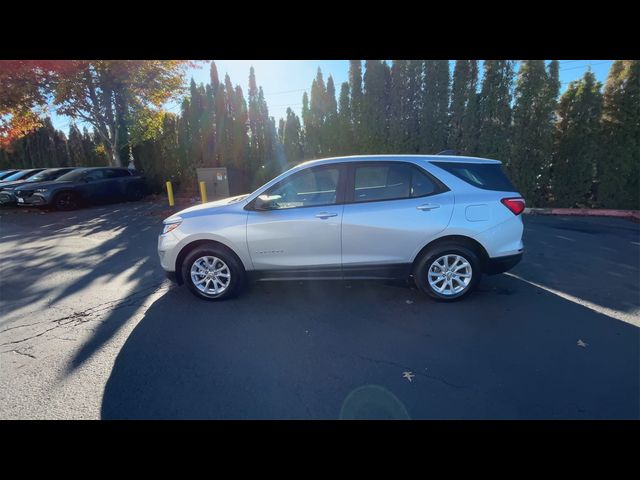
(266,202)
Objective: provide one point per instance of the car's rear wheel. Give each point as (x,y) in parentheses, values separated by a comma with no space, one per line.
(212,273)
(65,201)
(447,272)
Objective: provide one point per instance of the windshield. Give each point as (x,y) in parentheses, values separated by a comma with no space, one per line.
(17,176)
(4,175)
(72,176)
(238,199)
(47,175)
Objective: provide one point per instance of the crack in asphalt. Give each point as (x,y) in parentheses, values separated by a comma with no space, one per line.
(84,316)
(20,353)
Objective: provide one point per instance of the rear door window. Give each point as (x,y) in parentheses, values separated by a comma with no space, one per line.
(391,181)
(488,176)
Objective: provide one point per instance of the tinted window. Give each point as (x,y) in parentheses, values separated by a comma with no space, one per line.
(390,181)
(50,174)
(95,175)
(117,172)
(7,174)
(72,176)
(312,187)
(486,176)
(18,175)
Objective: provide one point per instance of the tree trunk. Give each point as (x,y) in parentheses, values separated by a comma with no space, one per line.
(115,158)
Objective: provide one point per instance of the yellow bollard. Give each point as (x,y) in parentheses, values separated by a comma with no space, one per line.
(203,192)
(170,193)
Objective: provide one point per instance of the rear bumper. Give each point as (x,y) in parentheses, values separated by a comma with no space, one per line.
(502,264)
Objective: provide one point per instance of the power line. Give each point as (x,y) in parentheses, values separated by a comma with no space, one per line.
(585,66)
(287,91)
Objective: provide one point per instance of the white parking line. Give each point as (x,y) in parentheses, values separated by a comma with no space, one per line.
(631,318)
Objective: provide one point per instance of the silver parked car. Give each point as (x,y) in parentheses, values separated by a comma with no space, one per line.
(443,220)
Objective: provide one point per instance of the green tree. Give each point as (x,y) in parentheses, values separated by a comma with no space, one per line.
(463,96)
(577,142)
(533,124)
(374,127)
(76,147)
(329,131)
(435,106)
(292,138)
(398,107)
(111,95)
(355,85)
(470,122)
(345,127)
(619,165)
(494,110)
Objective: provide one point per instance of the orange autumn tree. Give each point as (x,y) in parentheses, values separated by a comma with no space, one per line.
(121,99)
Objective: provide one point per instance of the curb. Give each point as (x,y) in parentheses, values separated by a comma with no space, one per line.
(633,215)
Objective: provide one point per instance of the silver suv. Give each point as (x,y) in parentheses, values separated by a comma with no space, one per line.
(441,220)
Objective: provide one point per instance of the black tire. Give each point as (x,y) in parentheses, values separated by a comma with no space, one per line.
(427,259)
(135,193)
(65,201)
(236,271)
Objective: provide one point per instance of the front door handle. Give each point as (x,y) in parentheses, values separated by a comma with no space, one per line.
(427,206)
(325,215)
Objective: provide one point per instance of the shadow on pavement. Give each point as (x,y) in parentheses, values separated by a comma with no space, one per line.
(78,250)
(298,350)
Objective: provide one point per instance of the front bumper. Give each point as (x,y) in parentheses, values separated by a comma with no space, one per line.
(171,276)
(502,264)
(33,200)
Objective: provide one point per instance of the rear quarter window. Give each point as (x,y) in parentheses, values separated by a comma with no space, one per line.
(488,176)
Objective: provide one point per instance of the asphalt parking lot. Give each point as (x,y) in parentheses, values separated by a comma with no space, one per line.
(89,328)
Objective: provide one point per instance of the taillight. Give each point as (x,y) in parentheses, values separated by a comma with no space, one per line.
(516,205)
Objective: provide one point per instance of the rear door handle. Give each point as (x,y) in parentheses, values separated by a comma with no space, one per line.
(325,215)
(427,206)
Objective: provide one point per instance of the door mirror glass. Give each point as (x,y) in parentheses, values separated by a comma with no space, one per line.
(267,202)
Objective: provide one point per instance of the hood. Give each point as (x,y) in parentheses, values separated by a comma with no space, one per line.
(11,185)
(209,207)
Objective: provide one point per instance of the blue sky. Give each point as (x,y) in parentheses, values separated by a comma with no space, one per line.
(284,81)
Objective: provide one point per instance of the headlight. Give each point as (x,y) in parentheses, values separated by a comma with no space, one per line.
(170,225)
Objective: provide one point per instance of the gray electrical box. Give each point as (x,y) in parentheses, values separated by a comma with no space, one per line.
(216,181)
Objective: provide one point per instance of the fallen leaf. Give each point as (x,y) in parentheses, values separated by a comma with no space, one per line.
(409,302)
(582,344)
(408,375)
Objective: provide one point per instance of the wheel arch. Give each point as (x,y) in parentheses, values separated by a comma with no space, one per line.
(189,247)
(463,240)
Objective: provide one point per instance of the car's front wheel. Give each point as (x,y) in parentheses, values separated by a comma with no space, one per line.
(447,272)
(212,273)
(65,201)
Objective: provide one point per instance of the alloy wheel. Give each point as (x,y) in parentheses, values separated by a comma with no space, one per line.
(450,274)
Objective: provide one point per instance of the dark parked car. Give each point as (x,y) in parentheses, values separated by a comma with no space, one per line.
(20,175)
(7,195)
(5,173)
(84,186)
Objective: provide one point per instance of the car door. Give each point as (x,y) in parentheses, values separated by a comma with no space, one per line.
(391,210)
(300,234)
(116,188)
(96,186)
